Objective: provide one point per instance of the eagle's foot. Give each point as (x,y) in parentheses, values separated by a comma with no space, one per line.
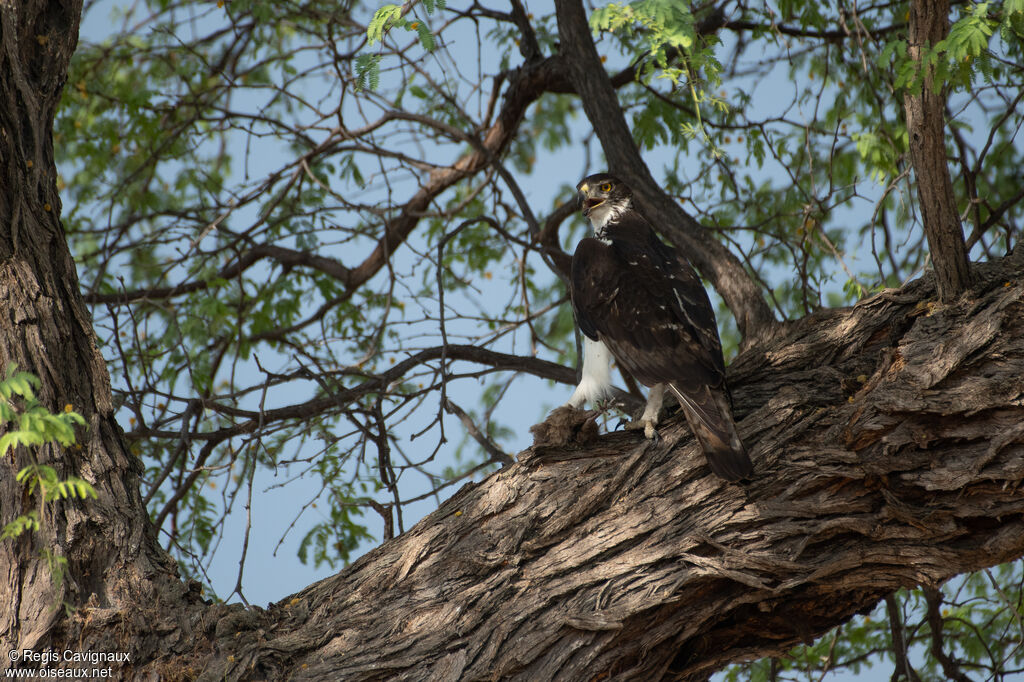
(650,433)
(649,419)
(648,425)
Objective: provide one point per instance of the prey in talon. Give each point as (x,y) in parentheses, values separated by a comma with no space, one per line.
(640,302)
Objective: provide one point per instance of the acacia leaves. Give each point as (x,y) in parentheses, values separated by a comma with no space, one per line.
(965,55)
(667,26)
(33,424)
(29,424)
(673,51)
(384,20)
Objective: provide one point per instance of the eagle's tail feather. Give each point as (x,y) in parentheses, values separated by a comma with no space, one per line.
(710,417)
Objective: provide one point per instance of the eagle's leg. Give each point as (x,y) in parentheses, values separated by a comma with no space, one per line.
(595,383)
(649,419)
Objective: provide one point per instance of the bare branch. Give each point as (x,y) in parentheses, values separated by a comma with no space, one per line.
(933,597)
(899,641)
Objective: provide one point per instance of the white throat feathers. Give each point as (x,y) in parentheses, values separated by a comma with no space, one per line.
(604,213)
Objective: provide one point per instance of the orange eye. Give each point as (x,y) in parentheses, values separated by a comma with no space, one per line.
(606,187)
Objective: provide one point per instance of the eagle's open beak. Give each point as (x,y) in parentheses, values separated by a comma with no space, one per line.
(585,202)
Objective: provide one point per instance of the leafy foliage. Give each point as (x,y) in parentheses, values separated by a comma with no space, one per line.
(51,487)
(975,620)
(34,425)
(673,51)
(313,234)
(667,25)
(384,20)
(24,523)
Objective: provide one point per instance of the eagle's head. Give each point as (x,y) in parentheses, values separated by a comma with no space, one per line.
(603,196)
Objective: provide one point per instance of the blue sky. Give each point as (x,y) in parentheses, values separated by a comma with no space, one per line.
(283,505)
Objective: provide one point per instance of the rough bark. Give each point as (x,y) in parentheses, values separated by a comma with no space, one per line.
(887,440)
(113,559)
(925,111)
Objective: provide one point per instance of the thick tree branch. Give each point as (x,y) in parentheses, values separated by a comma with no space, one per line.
(952,671)
(899,641)
(887,440)
(741,293)
(888,450)
(929,23)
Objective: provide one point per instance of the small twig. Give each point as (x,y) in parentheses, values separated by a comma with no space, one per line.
(486,443)
(385,513)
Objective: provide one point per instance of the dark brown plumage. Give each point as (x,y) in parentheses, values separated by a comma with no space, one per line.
(646,304)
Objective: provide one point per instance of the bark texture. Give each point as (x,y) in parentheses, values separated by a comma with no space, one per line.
(887,442)
(113,559)
(929,23)
(889,452)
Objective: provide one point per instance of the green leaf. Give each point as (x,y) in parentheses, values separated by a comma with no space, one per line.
(74,487)
(15,438)
(382,21)
(368,71)
(18,383)
(426,37)
(26,522)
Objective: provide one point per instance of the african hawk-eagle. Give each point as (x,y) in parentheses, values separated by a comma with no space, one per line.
(638,300)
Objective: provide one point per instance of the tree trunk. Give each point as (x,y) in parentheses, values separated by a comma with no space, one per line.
(113,560)
(929,23)
(886,439)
